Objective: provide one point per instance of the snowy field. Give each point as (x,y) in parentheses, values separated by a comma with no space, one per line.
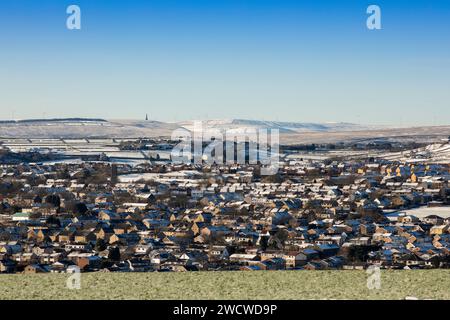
(438,153)
(443,212)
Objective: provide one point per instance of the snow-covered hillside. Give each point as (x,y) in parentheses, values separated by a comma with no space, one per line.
(433,153)
(90,128)
(290,132)
(84,128)
(283,127)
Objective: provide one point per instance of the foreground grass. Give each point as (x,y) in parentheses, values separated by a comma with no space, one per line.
(423,284)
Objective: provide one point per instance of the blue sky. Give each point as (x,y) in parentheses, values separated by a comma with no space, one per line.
(307,61)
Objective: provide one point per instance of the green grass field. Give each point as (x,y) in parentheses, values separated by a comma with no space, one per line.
(423,284)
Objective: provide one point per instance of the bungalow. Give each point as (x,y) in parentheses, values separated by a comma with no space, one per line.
(310,254)
(251,268)
(327,250)
(35,268)
(314,265)
(274,264)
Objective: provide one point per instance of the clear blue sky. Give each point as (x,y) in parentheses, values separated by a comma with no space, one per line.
(307,61)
